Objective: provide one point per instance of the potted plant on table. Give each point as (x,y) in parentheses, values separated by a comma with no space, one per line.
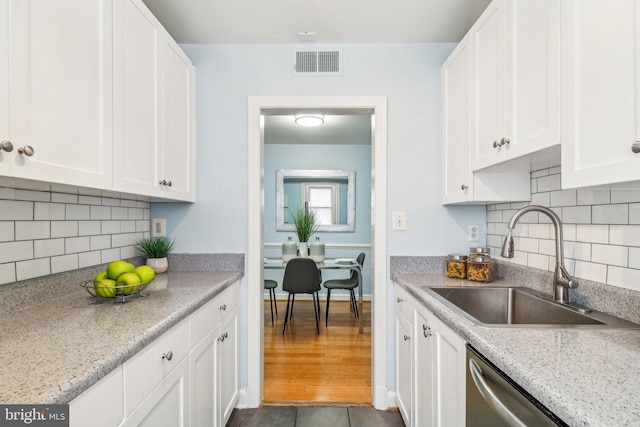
(304,222)
(156,249)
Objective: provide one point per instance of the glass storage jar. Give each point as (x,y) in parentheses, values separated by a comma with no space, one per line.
(479,252)
(480,269)
(456,266)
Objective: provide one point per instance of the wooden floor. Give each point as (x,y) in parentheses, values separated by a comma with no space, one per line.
(302,367)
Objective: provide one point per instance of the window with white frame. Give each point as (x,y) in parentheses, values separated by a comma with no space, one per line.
(324,200)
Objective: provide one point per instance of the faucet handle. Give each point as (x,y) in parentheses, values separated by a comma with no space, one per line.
(568,281)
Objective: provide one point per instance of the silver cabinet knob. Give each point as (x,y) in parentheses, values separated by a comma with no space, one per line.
(635,147)
(504,141)
(27,150)
(168,355)
(464,187)
(169,183)
(496,144)
(399,300)
(222,337)
(6,146)
(407,338)
(165,182)
(223,307)
(426,330)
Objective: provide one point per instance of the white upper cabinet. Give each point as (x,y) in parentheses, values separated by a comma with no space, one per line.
(515,75)
(601,92)
(154,141)
(56,67)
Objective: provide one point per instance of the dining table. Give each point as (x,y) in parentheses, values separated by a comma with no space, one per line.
(330,264)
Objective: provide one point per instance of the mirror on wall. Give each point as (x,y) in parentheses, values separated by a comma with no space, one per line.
(330,193)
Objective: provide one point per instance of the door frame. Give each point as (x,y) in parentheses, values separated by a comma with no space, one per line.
(255,251)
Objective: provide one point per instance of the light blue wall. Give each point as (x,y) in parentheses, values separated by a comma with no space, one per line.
(407,74)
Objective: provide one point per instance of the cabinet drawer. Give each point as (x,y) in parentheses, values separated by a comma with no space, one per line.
(151,365)
(404,302)
(212,313)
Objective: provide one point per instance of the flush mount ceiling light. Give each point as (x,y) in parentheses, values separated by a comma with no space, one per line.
(309,120)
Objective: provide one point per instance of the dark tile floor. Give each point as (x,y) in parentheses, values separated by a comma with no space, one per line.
(314,416)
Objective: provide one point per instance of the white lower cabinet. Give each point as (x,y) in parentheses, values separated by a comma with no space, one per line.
(430,367)
(189,376)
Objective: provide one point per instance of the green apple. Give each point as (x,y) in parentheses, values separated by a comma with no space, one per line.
(145,272)
(104,287)
(117,268)
(130,281)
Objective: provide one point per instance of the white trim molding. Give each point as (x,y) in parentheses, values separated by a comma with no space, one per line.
(255,275)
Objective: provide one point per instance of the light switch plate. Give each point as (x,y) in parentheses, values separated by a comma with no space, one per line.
(158,227)
(399,221)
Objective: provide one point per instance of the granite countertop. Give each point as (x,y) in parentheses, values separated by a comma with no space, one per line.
(54,350)
(587,377)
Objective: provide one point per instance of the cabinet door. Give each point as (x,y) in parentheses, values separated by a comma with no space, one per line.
(4,85)
(177,121)
(487,85)
(450,370)
(203,363)
(168,404)
(137,146)
(600,86)
(228,374)
(457,178)
(404,366)
(61,90)
(532,79)
(89,409)
(424,402)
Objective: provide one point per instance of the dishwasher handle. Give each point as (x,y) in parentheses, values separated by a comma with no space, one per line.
(490,397)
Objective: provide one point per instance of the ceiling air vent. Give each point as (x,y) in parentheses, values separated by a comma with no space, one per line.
(317,62)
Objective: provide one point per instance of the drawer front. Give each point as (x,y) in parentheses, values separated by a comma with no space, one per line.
(209,315)
(144,371)
(404,302)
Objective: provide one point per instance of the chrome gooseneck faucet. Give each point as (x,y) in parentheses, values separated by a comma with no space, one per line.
(561,279)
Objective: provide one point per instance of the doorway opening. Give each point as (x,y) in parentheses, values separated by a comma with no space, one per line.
(376,106)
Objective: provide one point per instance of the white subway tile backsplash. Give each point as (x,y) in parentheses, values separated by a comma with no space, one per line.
(36,196)
(48,248)
(7,193)
(100,212)
(127,252)
(125,239)
(136,213)
(594,196)
(16,251)
(89,200)
(15,210)
(33,268)
(7,273)
(563,198)
(538,261)
(143,225)
(539,173)
(7,231)
(576,215)
(78,212)
(624,277)
(591,271)
(611,214)
(569,232)
(77,244)
(110,227)
(634,213)
(525,244)
(90,191)
(100,242)
(48,211)
(542,199)
(64,263)
(540,231)
(494,216)
(64,198)
(119,213)
(547,247)
(610,254)
(592,233)
(109,255)
(577,250)
(31,230)
(634,258)
(89,228)
(127,226)
(108,201)
(128,203)
(87,259)
(64,229)
(549,183)
(628,235)
(625,192)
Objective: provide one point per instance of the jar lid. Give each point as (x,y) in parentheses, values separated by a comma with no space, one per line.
(480,258)
(480,251)
(457,257)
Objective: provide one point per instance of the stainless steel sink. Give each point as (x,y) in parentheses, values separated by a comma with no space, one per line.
(521,307)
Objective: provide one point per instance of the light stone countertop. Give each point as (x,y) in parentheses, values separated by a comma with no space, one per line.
(586,377)
(54,350)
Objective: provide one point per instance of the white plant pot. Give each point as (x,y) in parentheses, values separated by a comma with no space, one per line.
(303,249)
(159,265)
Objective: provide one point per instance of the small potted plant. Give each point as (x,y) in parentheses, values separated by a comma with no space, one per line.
(304,222)
(156,249)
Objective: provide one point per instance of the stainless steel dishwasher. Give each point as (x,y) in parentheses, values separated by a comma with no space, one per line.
(494,400)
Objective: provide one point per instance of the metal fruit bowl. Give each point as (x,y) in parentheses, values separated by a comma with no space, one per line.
(121,293)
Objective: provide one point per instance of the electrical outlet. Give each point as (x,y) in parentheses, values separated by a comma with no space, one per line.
(474,233)
(399,221)
(158,227)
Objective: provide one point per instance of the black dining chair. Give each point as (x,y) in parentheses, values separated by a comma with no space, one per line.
(301,277)
(271,285)
(349,284)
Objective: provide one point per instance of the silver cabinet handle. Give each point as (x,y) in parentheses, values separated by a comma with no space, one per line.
(407,338)
(168,355)
(169,183)
(6,146)
(223,307)
(27,150)
(635,147)
(464,187)
(496,144)
(224,336)
(426,330)
(504,141)
(490,397)
(399,300)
